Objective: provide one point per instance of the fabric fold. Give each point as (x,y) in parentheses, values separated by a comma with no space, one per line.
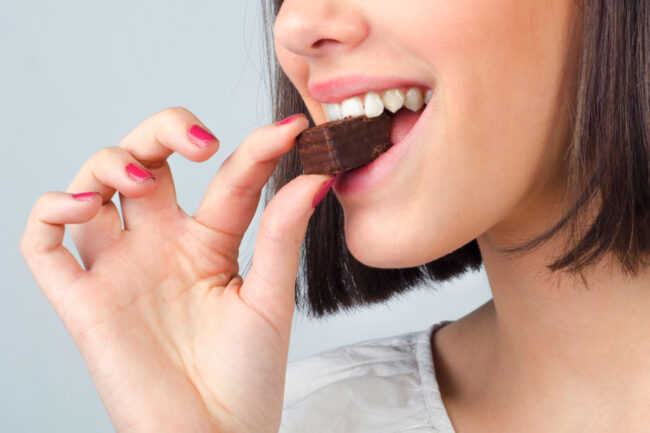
(383,385)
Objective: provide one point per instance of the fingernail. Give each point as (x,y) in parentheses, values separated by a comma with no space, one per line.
(322,192)
(85,196)
(200,136)
(288,119)
(138,174)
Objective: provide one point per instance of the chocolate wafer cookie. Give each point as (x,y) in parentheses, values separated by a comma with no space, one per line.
(345,144)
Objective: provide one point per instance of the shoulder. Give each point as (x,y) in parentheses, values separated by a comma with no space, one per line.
(383,381)
(341,364)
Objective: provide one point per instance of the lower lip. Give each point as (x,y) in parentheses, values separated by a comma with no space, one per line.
(365,177)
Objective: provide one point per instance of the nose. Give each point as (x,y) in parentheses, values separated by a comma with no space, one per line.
(312,28)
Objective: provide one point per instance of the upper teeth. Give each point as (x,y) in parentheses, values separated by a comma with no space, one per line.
(373,104)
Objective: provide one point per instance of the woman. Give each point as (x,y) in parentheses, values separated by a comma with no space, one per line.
(531,156)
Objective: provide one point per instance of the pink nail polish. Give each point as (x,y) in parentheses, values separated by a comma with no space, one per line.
(288,119)
(322,192)
(138,174)
(200,136)
(85,196)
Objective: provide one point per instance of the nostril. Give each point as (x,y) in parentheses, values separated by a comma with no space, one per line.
(323,42)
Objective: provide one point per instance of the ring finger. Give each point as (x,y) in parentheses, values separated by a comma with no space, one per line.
(108,170)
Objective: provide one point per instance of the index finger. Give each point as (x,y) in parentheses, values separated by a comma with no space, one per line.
(232,197)
(171,130)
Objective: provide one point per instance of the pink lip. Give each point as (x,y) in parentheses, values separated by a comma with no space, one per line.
(338,89)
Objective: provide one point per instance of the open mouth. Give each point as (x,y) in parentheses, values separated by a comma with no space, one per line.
(405,108)
(405,103)
(402,122)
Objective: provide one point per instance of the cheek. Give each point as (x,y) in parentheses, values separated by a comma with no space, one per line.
(297,70)
(499,69)
(496,142)
(504,90)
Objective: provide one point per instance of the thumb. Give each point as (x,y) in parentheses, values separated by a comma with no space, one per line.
(269,286)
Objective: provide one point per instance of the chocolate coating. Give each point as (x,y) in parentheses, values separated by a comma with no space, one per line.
(345,144)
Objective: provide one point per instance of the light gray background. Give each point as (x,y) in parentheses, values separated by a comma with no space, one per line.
(77,75)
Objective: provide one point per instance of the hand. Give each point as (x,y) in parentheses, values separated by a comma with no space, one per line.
(172,336)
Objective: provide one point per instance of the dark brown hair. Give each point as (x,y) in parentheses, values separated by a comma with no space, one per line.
(607,162)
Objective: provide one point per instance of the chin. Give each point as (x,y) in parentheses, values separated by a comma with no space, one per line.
(378,249)
(391,243)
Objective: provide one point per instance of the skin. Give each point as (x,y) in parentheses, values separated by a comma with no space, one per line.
(175,340)
(487,166)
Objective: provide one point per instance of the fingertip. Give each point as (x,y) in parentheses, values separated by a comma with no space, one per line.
(139,174)
(90,202)
(320,177)
(325,187)
(51,212)
(314,180)
(86,196)
(294,118)
(202,137)
(85,207)
(274,140)
(205,153)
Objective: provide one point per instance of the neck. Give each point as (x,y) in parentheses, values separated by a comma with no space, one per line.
(556,321)
(560,336)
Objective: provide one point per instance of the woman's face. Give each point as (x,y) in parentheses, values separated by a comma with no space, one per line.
(484,157)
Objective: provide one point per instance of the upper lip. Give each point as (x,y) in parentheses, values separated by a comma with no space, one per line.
(340,88)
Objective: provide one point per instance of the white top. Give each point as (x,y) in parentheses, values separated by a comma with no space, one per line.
(384,385)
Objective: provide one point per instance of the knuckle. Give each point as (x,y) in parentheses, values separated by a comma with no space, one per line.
(251,147)
(177,113)
(103,158)
(264,146)
(242,191)
(259,132)
(28,246)
(106,153)
(235,282)
(225,165)
(23,246)
(275,231)
(41,201)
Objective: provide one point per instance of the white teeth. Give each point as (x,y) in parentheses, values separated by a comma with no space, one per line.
(393,99)
(352,107)
(414,99)
(373,105)
(333,111)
